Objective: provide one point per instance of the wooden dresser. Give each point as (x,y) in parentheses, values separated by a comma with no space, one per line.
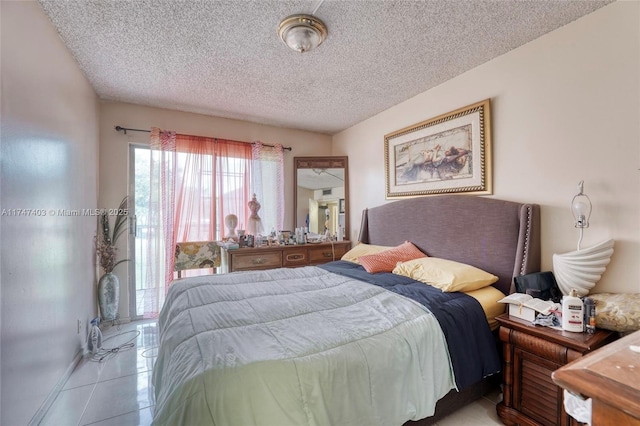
(611,378)
(531,354)
(289,256)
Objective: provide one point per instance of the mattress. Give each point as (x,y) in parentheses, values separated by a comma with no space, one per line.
(297,346)
(472,347)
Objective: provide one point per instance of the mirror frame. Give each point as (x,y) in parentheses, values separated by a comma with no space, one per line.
(322,163)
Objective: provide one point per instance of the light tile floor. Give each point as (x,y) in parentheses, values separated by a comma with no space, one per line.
(118,390)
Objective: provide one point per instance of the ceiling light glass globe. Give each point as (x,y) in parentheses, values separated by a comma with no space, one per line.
(302,39)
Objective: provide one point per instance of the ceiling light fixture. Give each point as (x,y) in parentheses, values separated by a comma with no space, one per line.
(302,32)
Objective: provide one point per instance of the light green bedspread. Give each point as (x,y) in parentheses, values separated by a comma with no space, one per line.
(296,347)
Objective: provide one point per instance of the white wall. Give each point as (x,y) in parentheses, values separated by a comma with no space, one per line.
(114,151)
(565,108)
(49,162)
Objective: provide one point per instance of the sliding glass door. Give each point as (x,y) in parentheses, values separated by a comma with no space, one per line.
(139,180)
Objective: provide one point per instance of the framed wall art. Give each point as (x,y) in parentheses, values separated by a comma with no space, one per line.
(450,153)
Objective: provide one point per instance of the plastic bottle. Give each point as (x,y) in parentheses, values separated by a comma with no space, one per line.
(94,342)
(589,315)
(572,312)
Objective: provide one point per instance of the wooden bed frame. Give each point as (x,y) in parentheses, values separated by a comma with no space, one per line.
(500,237)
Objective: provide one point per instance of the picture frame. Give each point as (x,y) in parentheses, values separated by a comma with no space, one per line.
(450,153)
(341,205)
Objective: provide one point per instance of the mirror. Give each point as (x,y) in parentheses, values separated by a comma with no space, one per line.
(321,194)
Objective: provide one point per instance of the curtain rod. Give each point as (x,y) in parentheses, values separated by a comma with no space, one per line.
(125,129)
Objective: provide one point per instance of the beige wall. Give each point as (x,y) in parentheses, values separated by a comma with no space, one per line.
(566,108)
(114,149)
(49,162)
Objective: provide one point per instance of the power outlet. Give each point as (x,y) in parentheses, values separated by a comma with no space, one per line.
(79,326)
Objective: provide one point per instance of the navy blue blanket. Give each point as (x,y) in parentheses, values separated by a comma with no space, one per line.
(472,347)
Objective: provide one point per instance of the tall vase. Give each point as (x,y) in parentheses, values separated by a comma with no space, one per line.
(108,296)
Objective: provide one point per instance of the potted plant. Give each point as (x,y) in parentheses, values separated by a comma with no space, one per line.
(106,250)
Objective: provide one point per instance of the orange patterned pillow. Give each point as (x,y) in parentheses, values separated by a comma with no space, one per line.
(386,260)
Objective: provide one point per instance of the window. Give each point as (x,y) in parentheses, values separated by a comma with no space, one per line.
(194,183)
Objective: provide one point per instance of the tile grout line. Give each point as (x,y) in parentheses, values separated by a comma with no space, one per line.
(93,389)
(114,378)
(119,415)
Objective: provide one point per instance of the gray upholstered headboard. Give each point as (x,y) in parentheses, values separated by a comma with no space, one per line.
(500,237)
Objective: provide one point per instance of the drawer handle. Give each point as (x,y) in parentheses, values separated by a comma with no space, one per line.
(295,256)
(258,261)
(327,254)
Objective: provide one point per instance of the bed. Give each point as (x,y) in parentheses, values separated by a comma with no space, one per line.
(336,345)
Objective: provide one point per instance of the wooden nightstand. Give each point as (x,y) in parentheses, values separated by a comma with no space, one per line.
(290,256)
(531,354)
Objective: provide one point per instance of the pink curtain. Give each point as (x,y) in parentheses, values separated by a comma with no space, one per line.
(196,181)
(215,179)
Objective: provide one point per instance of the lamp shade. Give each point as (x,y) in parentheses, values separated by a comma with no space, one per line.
(581,207)
(582,269)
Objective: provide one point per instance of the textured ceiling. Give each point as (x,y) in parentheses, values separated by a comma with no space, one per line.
(320,178)
(224,58)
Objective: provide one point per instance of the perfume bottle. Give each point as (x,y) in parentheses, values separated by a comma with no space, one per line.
(589,315)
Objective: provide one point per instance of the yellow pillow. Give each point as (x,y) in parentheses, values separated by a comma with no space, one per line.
(446,275)
(362,249)
(488,298)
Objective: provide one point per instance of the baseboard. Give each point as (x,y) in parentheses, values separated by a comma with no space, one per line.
(48,402)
